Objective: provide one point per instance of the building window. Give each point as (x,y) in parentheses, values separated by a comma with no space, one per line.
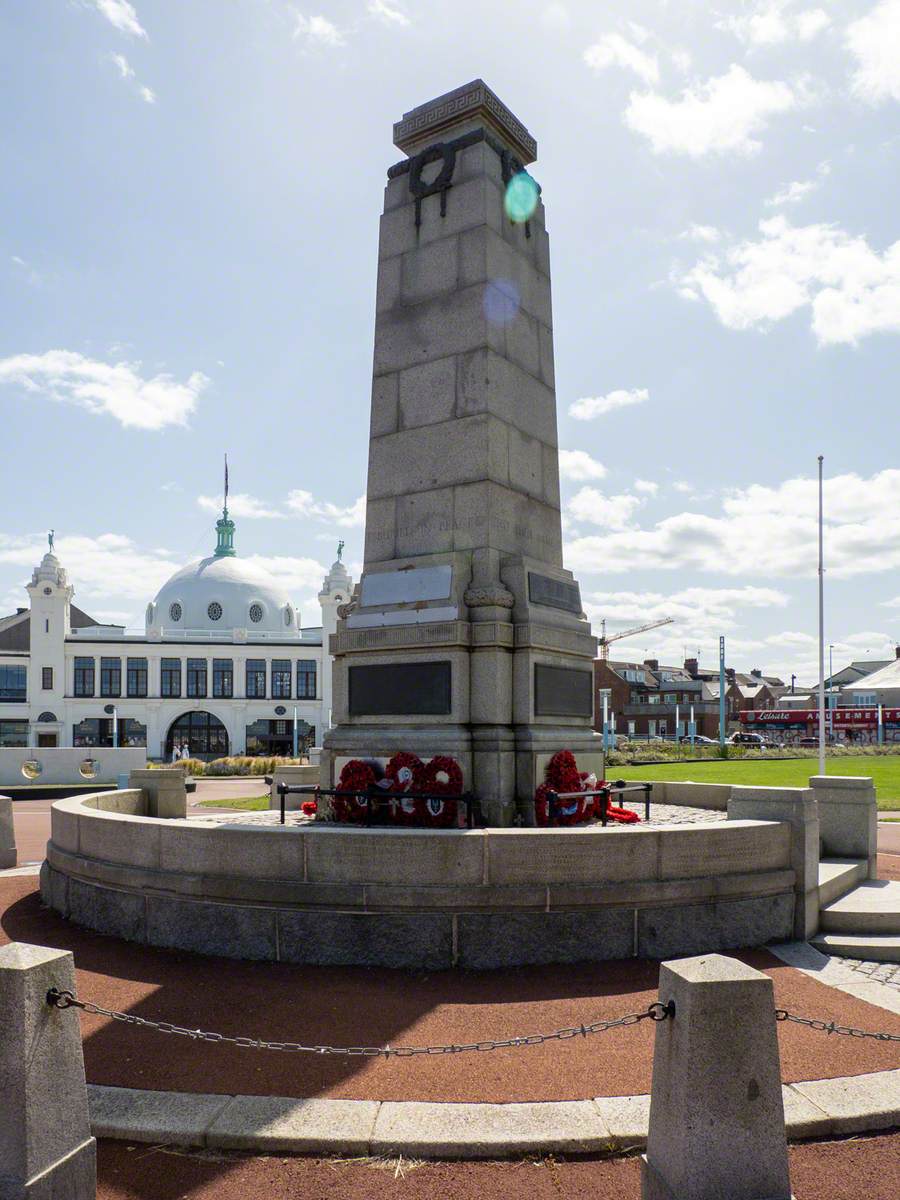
(170,677)
(214,611)
(288,615)
(281,679)
(631,728)
(175,612)
(671,698)
(196,677)
(863,699)
(203,734)
(223,678)
(98,731)
(663,726)
(256,679)
(13,733)
(654,698)
(306,679)
(651,729)
(110,677)
(256,613)
(137,677)
(13,684)
(47,679)
(84,677)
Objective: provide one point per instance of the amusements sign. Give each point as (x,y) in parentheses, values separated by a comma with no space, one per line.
(839,717)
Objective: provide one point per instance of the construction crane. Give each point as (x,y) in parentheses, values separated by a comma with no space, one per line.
(605,642)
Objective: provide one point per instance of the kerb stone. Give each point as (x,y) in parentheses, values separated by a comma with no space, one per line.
(716,1110)
(46,1148)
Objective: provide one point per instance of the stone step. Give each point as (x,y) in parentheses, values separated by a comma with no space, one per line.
(837,876)
(866,947)
(872,907)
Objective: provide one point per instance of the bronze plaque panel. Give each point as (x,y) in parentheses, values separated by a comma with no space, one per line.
(554,593)
(563,692)
(414,689)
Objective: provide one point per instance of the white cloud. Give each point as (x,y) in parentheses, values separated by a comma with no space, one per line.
(895,603)
(578,465)
(116,390)
(240,504)
(318,31)
(700,233)
(647,486)
(293,574)
(794,192)
(851,289)
(109,567)
(122,16)
(610,512)
(766,531)
(615,51)
(590,407)
(771,22)
(390,14)
(874,41)
(682,485)
(715,117)
(350,516)
(126,71)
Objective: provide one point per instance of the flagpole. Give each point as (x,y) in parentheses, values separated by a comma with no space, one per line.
(821,626)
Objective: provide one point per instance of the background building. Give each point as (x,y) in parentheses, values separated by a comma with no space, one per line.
(220,667)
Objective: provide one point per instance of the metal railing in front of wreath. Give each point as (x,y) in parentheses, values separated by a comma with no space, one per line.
(554,799)
(657,1011)
(376,800)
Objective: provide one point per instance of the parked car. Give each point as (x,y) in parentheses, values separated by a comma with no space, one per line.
(749,739)
(699,740)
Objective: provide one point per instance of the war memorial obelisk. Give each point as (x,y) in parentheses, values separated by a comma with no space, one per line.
(466,635)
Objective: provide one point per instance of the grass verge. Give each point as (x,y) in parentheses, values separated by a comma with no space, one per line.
(241,803)
(884,772)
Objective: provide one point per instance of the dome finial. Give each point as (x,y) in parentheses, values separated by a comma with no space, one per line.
(50,540)
(224,526)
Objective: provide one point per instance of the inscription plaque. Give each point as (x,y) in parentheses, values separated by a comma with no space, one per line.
(400,689)
(403,587)
(563,692)
(554,593)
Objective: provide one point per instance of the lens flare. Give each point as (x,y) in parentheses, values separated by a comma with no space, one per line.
(521,197)
(501,301)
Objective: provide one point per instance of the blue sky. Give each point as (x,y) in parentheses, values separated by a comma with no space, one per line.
(188,235)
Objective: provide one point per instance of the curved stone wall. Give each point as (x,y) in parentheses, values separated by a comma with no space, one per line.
(417,898)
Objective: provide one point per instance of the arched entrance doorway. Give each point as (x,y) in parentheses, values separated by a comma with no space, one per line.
(204,735)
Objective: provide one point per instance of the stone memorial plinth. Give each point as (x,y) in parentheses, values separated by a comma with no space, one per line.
(466,634)
(46,1148)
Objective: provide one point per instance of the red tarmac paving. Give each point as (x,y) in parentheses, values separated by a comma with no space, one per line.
(353,1006)
(854,1169)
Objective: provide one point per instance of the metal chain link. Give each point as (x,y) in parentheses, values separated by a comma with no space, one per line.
(782,1014)
(655,1012)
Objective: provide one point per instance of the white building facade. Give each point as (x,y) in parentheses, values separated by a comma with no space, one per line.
(222,666)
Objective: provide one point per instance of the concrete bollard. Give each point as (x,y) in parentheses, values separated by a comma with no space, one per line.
(164,789)
(716,1109)
(7,834)
(46,1148)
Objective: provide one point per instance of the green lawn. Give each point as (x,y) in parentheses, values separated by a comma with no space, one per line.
(242,803)
(884,771)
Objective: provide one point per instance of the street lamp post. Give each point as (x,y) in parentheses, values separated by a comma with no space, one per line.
(821,625)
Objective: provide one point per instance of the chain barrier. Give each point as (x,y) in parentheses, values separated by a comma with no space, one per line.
(782,1014)
(655,1012)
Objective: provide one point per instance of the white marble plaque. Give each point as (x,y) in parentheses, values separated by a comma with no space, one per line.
(401,616)
(404,587)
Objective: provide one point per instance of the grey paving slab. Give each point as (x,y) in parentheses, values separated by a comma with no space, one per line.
(489,1130)
(857,1103)
(802,1118)
(180,1118)
(283,1124)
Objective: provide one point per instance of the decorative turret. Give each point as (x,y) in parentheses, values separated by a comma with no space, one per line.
(225,526)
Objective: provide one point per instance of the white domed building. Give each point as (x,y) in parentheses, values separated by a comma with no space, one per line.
(223,665)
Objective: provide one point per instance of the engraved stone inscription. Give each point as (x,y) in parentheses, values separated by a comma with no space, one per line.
(401,587)
(400,689)
(562,692)
(554,593)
